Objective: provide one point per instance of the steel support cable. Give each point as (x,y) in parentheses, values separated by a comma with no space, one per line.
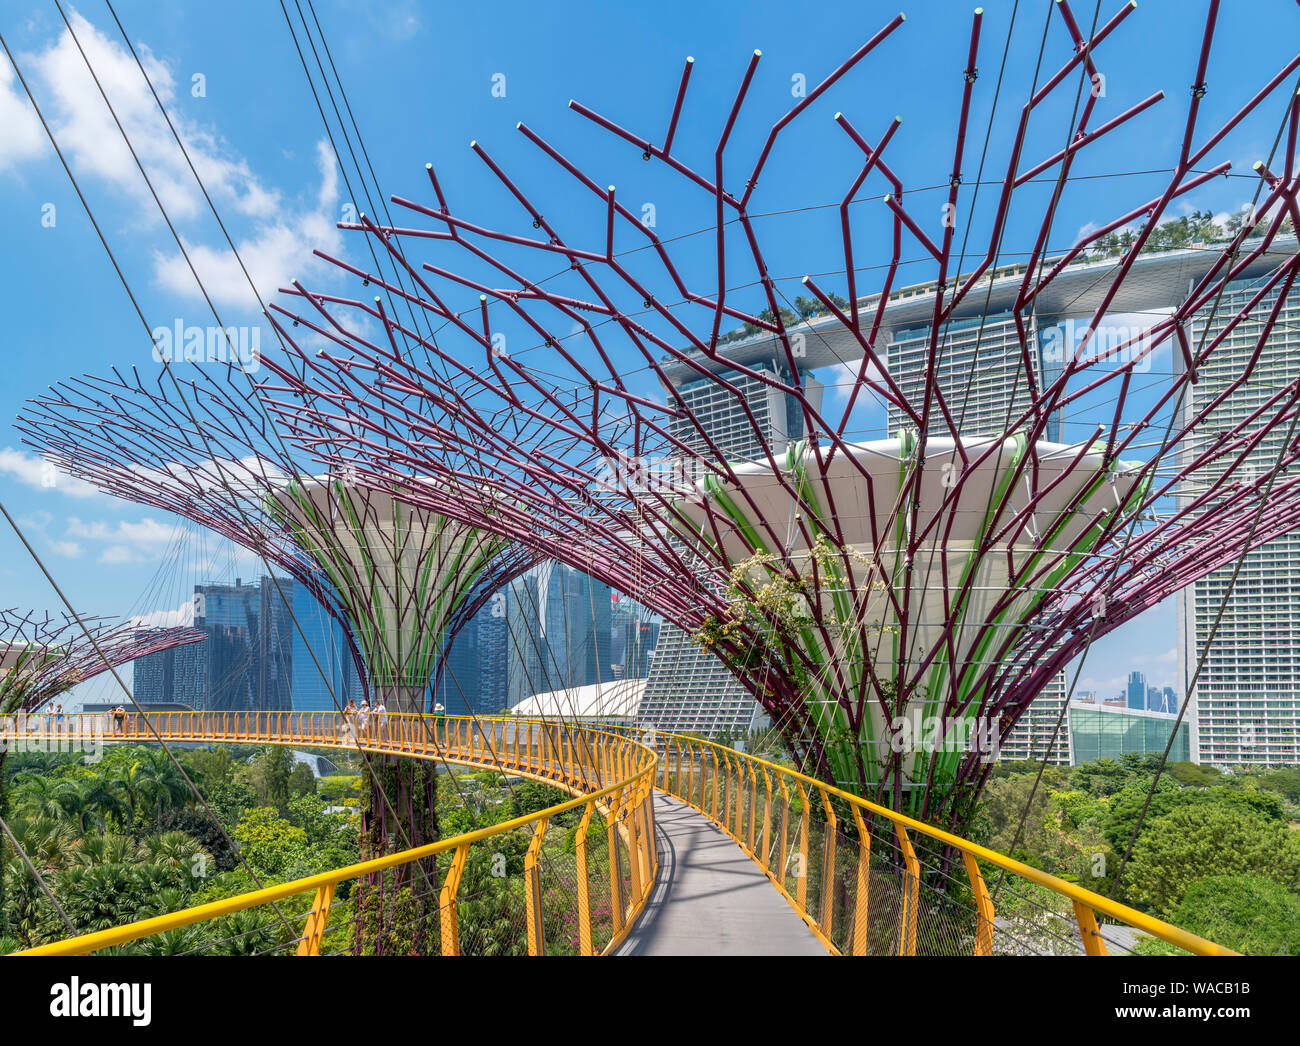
(383,201)
(22,537)
(898,503)
(1241,559)
(338,157)
(255,401)
(166,367)
(330,134)
(40,879)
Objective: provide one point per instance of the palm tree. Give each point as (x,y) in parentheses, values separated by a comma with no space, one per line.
(94,850)
(176,851)
(47,841)
(40,795)
(102,802)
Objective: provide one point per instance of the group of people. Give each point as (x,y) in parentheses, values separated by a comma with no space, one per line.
(364,720)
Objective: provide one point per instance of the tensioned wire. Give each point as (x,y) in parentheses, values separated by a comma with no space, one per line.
(167,368)
(22,537)
(255,401)
(360,174)
(167,363)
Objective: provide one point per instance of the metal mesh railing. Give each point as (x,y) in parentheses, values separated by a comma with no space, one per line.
(569,879)
(869,881)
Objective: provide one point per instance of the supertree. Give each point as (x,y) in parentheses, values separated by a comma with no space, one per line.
(401,579)
(43,657)
(947,572)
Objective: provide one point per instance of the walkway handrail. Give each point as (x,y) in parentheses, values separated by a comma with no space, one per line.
(609,772)
(732,786)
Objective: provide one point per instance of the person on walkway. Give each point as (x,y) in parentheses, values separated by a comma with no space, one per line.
(349,712)
(363,717)
(119,720)
(380,712)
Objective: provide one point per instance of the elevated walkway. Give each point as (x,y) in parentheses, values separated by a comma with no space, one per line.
(693,849)
(710,898)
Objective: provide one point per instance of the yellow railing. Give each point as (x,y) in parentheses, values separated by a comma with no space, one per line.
(607,771)
(888,886)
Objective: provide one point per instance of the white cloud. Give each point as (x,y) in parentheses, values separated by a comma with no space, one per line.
(116,555)
(23,137)
(183,615)
(86,131)
(276,252)
(67,549)
(145,531)
(278,242)
(34,471)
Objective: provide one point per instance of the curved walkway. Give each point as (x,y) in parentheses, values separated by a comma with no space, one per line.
(709,898)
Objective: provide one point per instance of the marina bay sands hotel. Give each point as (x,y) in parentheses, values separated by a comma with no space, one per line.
(1246,704)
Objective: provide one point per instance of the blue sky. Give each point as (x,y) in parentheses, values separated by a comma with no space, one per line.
(420,80)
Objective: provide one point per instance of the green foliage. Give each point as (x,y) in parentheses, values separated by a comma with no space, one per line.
(302,781)
(271,845)
(340,790)
(1207,839)
(1246,913)
(1195,775)
(1284,781)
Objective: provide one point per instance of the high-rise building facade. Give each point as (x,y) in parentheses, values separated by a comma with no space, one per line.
(1245,707)
(558,634)
(472,679)
(688,689)
(980,371)
(1042,733)
(246,662)
(1135,693)
(325,676)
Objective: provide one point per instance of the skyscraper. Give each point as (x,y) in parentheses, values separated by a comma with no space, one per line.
(559,631)
(1135,694)
(325,677)
(1246,703)
(472,679)
(687,688)
(980,371)
(246,662)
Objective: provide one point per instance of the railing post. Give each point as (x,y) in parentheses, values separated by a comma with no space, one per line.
(533,892)
(315,928)
(911,894)
(634,837)
(983,906)
(615,872)
(801,868)
(584,885)
(860,903)
(753,803)
(714,813)
(1089,931)
(783,860)
(726,797)
(767,820)
(450,917)
(828,865)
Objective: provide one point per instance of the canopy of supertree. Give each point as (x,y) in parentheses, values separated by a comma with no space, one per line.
(401,579)
(43,656)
